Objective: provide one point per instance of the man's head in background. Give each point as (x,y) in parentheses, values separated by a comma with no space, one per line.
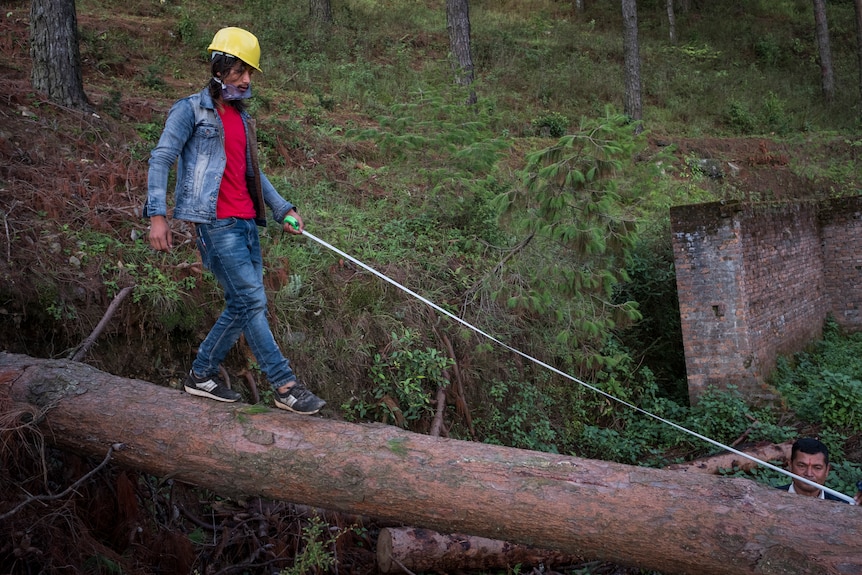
(809,458)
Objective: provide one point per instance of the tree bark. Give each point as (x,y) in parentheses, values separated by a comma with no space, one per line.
(671,22)
(858,6)
(827,79)
(321,11)
(458,24)
(713,465)
(602,510)
(55,53)
(426,550)
(633,106)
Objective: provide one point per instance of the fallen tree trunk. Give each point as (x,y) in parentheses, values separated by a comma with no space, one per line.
(654,519)
(732,462)
(426,550)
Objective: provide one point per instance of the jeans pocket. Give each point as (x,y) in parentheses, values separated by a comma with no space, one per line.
(219,240)
(203,248)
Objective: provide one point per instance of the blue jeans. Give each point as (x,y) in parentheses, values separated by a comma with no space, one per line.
(230,248)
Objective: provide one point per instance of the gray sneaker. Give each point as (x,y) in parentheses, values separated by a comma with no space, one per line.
(212,387)
(299,400)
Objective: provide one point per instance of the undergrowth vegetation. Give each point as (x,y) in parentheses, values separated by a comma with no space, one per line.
(539,215)
(821,387)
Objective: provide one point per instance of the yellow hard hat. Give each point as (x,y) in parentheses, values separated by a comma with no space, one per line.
(239,43)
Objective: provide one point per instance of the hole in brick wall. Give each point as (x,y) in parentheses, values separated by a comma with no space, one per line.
(718,310)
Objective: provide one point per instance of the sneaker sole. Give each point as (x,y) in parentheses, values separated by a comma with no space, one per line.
(286,407)
(202,393)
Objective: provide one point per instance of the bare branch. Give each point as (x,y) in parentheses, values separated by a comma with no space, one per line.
(68,490)
(91,339)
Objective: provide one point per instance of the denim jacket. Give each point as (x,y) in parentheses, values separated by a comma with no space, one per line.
(194,134)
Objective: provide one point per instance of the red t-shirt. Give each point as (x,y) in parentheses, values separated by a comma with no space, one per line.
(234,200)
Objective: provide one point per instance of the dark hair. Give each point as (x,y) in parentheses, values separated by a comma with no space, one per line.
(810,446)
(220,65)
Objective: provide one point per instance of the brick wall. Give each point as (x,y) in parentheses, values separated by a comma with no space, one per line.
(756,281)
(841,236)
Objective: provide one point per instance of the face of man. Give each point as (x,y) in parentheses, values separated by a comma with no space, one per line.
(811,467)
(236,82)
(239,76)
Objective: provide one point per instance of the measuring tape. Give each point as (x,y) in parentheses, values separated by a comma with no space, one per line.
(384,277)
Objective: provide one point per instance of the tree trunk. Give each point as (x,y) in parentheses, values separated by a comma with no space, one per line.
(55,54)
(827,80)
(671,22)
(858,5)
(632,99)
(321,11)
(426,550)
(602,510)
(728,461)
(458,24)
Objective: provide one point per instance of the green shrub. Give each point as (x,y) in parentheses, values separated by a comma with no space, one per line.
(739,118)
(822,385)
(609,445)
(404,381)
(518,417)
(318,551)
(551,124)
(724,416)
(843,476)
(774,114)
(186,28)
(840,401)
(573,209)
(768,50)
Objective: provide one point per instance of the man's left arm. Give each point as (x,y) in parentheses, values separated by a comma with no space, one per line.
(280,207)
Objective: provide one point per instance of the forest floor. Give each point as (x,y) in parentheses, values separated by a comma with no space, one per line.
(53,161)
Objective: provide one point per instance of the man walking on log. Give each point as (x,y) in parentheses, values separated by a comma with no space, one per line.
(222,190)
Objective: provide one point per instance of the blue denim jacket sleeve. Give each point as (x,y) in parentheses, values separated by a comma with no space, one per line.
(274,200)
(193,137)
(179,127)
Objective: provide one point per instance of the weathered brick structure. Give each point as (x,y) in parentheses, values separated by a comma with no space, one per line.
(756,281)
